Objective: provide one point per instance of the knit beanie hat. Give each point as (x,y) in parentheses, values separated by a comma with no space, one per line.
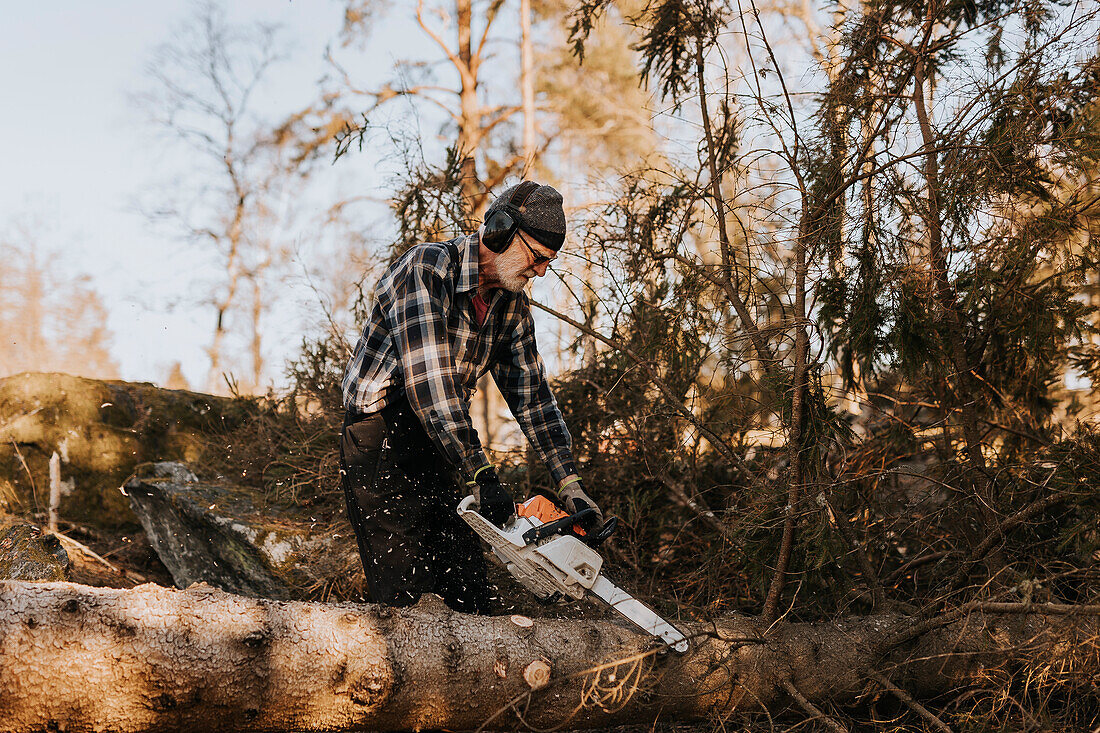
(541,215)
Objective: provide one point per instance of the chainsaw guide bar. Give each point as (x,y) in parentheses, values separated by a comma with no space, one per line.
(561,565)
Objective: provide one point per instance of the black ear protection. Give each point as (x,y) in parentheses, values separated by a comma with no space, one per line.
(501,225)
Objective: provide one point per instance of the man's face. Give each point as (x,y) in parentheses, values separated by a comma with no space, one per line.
(516,266)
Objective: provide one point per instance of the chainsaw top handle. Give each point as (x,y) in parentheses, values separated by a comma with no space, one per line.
(592,538)
(571,523)
(557,526)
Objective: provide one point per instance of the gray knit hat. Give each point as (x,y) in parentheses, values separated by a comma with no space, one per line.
(541,214)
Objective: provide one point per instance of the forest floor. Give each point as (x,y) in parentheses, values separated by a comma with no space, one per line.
(126,559)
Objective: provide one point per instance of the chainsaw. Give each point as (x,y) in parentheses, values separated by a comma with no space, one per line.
(550,553)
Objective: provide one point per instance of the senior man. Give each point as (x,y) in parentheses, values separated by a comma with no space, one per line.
(444,314)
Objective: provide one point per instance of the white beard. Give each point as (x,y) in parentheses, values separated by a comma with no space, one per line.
(513,268)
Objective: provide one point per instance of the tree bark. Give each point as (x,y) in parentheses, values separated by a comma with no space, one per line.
(527,85)
(470,130)
(965,390)
(78,658)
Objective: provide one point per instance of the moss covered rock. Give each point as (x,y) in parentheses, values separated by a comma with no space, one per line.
(217,534)
(28,554)
(101,430)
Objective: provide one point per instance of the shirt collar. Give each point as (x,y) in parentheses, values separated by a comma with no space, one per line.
(467,275)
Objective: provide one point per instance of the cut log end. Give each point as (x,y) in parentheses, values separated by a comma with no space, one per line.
(537,674)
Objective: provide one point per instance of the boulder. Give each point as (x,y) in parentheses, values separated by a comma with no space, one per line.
(26,553)
(101,430)
(216,533)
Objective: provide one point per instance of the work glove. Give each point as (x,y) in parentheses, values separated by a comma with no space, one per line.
(574,499)
(497,505)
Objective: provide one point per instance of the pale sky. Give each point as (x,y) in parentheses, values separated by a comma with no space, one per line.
(76,151)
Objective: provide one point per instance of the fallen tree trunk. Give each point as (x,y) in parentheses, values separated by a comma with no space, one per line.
(77,658)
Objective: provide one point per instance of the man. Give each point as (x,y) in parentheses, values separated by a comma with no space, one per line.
(444,314)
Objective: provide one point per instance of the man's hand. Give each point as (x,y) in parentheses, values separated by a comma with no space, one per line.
(497,505)
(574,499)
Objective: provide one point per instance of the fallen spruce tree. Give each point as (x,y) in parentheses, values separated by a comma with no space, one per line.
(78,658)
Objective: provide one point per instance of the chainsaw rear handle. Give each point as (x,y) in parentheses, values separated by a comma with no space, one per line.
(596,538)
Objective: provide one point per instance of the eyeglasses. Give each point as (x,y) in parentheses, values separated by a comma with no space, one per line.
(539,259)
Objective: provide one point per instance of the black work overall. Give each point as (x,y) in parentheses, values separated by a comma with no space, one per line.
(401,497)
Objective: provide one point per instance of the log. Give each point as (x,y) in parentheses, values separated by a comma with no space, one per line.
(78,658)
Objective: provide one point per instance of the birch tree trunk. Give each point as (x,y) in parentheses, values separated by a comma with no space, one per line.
(77,658)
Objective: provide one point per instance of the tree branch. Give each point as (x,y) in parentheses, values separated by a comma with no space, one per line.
(906,698)
(717,441)
(814,711)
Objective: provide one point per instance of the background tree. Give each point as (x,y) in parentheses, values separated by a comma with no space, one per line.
(50,321)
(238,197)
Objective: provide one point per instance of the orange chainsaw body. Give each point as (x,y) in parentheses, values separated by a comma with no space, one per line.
(540,508)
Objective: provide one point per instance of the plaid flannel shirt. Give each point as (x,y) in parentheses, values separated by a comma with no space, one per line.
(423,340)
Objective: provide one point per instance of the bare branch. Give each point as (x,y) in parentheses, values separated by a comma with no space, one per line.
(906,698)
(716,440)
